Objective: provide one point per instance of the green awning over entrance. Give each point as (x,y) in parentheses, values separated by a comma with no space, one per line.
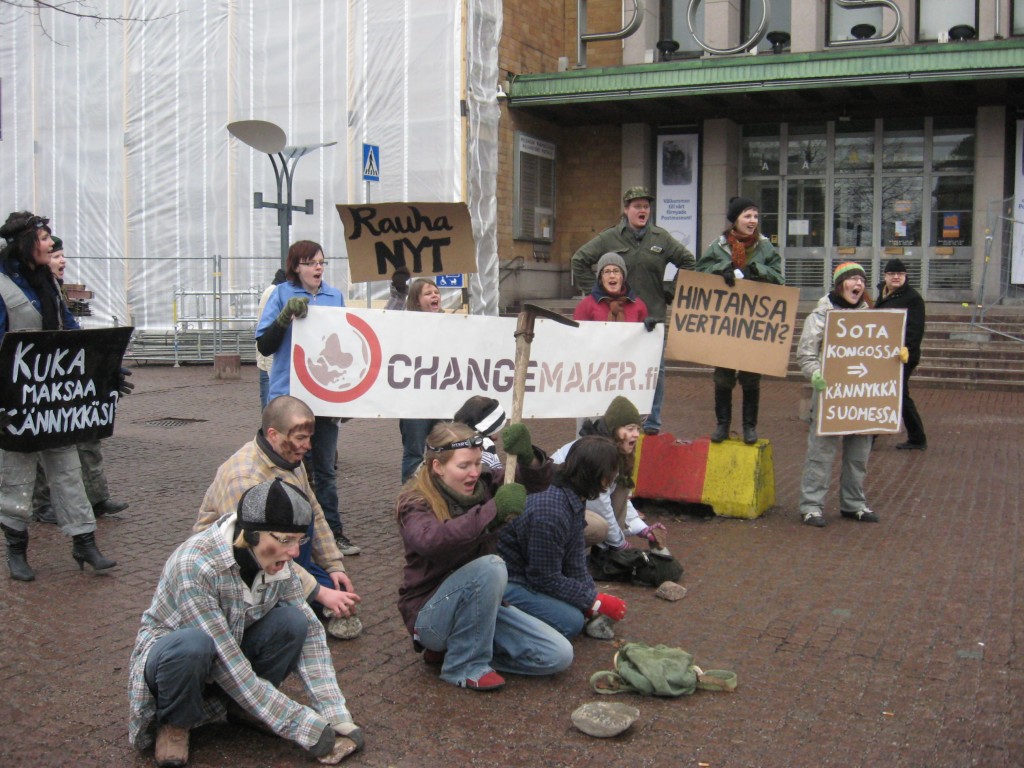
(977,72)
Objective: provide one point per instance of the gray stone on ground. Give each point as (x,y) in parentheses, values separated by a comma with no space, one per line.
(345,628)
(671,591)
(600,627)
(604,719)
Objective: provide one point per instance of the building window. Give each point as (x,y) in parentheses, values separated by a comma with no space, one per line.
(678,29)
(534,178)
(936,17)
(842,21)
(1018,17)
(779,21)
(853,195)
(952,183)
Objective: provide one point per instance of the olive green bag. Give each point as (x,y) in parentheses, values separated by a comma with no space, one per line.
(659,671)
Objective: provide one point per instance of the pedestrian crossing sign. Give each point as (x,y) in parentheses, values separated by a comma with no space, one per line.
(371,162)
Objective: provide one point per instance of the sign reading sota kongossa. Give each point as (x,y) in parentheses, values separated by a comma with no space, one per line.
(863,372)
(60,387)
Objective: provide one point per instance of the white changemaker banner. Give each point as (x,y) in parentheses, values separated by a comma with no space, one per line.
(378,364)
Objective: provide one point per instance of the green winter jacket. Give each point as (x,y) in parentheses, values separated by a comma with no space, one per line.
(763,265)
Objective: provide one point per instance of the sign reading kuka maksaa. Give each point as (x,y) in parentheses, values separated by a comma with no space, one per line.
(862,367)
(384,364)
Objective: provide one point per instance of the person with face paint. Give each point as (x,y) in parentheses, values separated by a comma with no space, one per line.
(740,253)
(277,450)
(646,250)
(30,300)
(848,292)
(227,624)
(424,296)
(304,285)
(545,552)
(453,584)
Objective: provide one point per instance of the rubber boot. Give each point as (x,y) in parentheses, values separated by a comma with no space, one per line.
(751,401)
(84,550)
(17,548)
(723,414)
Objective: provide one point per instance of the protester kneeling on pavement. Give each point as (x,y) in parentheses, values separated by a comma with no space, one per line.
(453,584)
(284,437)
(228,623)
(545,553)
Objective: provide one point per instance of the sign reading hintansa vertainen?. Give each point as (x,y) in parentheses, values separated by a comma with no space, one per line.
(427,238)
(862,367)
(59,387)
(746,327)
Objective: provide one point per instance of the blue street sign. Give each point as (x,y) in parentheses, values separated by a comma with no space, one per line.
(449,281)
(371,162)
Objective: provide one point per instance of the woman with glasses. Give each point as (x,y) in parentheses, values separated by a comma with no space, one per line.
(453,584)
(611,299)
(30,300)
(304,285)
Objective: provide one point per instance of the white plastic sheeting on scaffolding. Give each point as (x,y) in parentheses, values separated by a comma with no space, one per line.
(117,132)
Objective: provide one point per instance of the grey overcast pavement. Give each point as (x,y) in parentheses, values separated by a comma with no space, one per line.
(895,644)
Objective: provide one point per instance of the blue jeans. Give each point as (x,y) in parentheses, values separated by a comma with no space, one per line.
(264,388)
(653,420)
(179,663)
(325,476)
(466,619)
(414,441)
(567,619)
(305,559)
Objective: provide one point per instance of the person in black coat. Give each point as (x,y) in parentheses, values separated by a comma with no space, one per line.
(895,293)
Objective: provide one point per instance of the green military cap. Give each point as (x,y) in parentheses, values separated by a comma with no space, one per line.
(636,193)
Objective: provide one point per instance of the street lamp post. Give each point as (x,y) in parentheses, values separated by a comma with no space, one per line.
(269,138)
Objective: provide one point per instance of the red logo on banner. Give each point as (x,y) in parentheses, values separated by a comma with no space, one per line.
(339,372)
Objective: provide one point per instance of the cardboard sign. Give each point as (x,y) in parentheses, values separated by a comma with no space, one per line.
(60,387)
(425,365)
(862,367)
(748,327)
(427,238)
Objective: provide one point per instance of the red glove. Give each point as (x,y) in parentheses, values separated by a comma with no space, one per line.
(611,606)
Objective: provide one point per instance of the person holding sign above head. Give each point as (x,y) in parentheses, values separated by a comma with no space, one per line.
(896,293)
(848,292)
(453,585)
(646,250)
(740,253)
(304,285)
(30,300)
(424,296)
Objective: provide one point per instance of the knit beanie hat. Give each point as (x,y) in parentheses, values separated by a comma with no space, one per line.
(611,259)
(484,414)
(845,270)
(620,413)
(274,505)
(738,205)
(895,265)
(58,244)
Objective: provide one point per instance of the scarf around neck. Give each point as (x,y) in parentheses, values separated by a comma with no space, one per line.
(740,247)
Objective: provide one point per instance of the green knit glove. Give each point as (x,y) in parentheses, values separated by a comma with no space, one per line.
(510,501)
(517,441)
(818,381)
(295,307)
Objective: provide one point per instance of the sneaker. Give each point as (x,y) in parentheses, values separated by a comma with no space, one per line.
(490,681)
(815,519)
(345,546)
(864,515)
(171,746)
